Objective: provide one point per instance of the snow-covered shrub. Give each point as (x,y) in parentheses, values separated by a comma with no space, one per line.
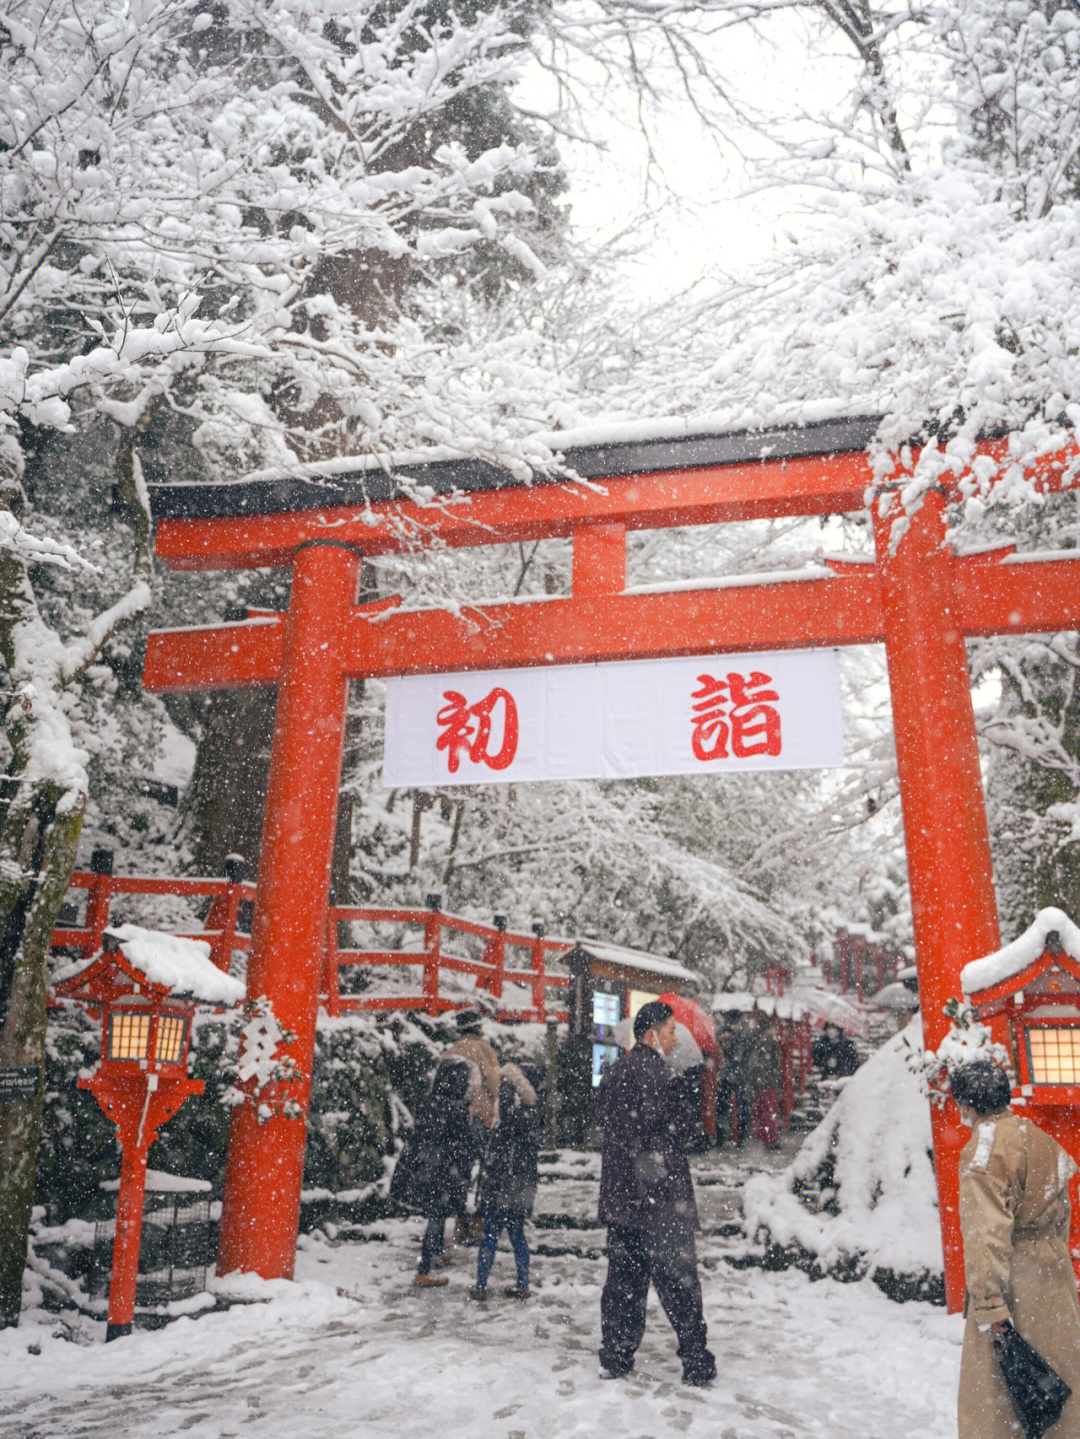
(368,1075)
(966,1041)
(860,1198)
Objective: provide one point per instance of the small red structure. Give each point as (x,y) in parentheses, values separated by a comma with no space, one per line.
(1029,995)
(145,987)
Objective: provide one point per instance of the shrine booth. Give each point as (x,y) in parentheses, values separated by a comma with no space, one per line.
(1028,995)
(608,984)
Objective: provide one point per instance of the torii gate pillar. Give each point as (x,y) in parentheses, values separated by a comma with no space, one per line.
(265,1166)
(954,912)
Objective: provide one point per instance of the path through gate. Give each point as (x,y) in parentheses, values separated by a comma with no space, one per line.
(917,597)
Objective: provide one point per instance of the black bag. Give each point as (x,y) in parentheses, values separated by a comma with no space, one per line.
(1037,1391)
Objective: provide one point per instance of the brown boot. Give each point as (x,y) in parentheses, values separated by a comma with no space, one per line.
(429,1281)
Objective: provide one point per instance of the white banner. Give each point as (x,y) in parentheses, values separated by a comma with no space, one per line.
(706,714)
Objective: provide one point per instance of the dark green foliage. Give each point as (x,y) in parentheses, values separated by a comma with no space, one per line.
(849,1269)
(194,1142)
(78,1144)
(368,1077)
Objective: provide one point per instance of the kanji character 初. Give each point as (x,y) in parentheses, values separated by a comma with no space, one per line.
(466,729)
(736,710)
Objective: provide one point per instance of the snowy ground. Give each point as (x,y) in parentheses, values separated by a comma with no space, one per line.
(352,1350)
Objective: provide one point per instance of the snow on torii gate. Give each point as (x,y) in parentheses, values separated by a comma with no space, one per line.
(919,598)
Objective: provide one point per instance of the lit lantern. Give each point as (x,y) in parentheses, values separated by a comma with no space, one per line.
(145,986)
(1029,995)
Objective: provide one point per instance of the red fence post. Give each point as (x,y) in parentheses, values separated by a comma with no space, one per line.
(432,954)
(98,897)
(539,983)
(496,955)
(223,914)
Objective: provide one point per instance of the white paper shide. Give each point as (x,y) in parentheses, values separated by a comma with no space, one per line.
(691,715)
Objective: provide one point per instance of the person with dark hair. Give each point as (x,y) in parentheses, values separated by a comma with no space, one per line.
(1014,1218)
(834,1053)
(508,1178)
(432,1172)
(647,1203)
(736,1049)
(472,1045)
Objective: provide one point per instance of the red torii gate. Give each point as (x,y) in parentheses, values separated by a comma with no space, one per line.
(919,599)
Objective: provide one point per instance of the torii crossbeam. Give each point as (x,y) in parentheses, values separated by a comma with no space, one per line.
(918,598)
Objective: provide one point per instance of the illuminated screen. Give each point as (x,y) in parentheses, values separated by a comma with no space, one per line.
(607,1008)
(129,1034)
(1055,1054)
(602,1056)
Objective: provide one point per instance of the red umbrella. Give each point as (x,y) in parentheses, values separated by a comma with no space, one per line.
(695,1019)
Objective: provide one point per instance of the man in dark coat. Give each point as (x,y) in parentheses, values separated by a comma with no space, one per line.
(647,1203)
(834,1053)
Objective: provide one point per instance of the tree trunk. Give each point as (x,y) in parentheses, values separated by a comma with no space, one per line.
(40,819)
(38,843)
(228,786)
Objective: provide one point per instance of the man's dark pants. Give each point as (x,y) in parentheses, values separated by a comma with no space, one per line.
(668,1258)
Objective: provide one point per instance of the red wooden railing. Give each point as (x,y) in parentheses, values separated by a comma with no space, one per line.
(495,968)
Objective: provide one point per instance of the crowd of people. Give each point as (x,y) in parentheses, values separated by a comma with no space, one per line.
(477,1112)
(751,1068)
(1014,1204)
(478,1127)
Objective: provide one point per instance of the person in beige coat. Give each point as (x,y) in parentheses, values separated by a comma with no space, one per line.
(1014,1218)
(472,1045)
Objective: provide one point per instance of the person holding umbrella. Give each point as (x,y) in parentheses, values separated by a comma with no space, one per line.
(1014,1218)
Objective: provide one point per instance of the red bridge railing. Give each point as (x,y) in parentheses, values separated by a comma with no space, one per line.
(500,959)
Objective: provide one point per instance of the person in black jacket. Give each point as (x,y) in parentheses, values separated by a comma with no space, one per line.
(433,1170)
(647,1203)
(508,1177)
(834,1053)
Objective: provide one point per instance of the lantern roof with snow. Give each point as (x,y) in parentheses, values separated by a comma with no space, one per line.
(152,963)
(1045,957)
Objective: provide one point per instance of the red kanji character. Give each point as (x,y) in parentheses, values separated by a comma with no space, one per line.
(711,728)
(755,725)
(467,729)
(735,709)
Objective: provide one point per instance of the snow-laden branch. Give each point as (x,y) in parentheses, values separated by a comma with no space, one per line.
(41,550)
(81,653)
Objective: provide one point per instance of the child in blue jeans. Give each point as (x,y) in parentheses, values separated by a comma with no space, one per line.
(508,1179)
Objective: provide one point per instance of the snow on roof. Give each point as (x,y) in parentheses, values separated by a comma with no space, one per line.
(184,965)
(1014,958)
(897,997)
(739,1001)
(733,1002)
(158,1182)
(635,959)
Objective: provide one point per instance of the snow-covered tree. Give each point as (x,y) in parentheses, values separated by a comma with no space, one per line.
(195,203)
